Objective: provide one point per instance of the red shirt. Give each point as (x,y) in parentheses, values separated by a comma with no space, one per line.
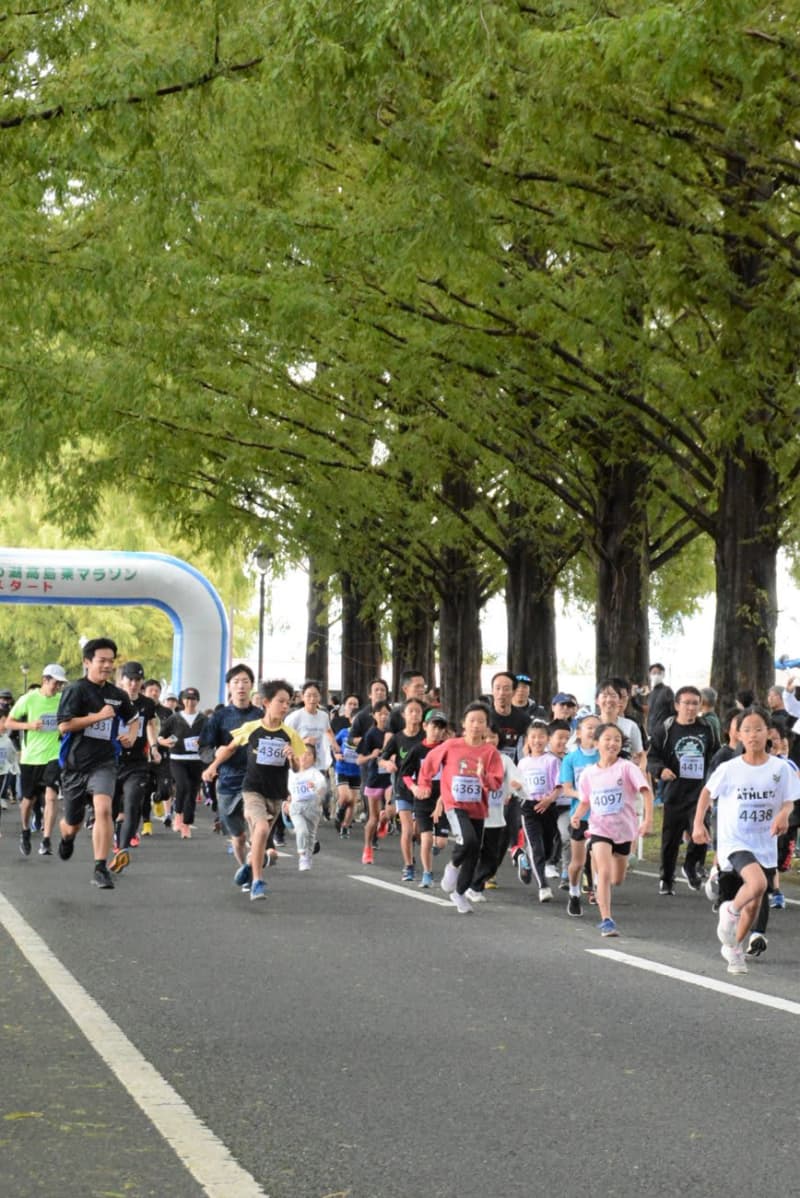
(468,773)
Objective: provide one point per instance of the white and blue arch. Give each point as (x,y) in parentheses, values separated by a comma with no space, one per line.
(112,578)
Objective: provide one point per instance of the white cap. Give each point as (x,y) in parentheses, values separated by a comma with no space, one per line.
(55,671)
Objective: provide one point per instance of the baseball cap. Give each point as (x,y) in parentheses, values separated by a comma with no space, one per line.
(435,716)
(55,671)
(6,694)
(523,678)
(133,669)
(170,695)
(190,692)
(563,697)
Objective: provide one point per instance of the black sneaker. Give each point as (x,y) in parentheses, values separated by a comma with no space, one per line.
(45,848)
(691,877)
(344,833)
(25,842)
(66,847)
(757,944)
(574,905)
(102,878)
(666,887)
(279,842)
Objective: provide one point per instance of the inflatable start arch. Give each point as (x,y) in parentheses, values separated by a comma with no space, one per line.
(71,577)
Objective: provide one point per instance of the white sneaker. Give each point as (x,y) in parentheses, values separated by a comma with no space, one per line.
(461,903)
(735,958)
(726,925)
(449,878)
(545,895)
(475,896)
(552,871)
(712,885)
(304,863)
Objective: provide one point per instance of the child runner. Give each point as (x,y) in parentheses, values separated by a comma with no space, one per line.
(435,730)
(308,788)
(559,732)
(394,755)
(348,782)
(376,777)
(584,754)
(609,791)
(779,747)
(495,837)
(539,770)
(755,795)
(470,768)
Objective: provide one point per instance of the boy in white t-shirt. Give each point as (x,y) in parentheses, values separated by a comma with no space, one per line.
(755,793)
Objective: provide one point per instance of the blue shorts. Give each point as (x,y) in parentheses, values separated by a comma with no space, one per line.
(404,804)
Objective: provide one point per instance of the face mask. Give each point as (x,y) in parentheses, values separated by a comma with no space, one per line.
(656,678)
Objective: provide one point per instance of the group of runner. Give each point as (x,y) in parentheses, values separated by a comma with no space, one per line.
(564,794)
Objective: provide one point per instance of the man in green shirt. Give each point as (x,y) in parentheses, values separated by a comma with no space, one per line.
(34,714)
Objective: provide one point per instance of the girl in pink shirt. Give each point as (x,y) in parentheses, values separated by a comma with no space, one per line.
(470,768)
(609,791)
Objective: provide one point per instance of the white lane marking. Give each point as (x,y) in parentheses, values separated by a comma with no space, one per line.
(696,979)
(205,1156)
(415,894)
(645,873)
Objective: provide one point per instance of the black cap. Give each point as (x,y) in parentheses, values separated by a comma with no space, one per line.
(133,670)
(190,692)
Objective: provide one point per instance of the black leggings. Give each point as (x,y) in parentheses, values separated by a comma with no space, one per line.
(129,795)
(468,846)
(187,775)
(493,848)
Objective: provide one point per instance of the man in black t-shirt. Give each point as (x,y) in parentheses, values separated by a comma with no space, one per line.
(133,774)
(89,717)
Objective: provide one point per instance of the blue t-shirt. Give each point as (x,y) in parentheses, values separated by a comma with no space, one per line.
(348,767)
(573,766)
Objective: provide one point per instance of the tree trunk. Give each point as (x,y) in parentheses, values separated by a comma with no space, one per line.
(317,633)
(745,555)
(621,619)
(413,642)
(361,642)
(460,650)
(531,618)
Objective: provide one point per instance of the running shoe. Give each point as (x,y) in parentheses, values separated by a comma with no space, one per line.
(475,896)
(304,862)
(383,828)
(344,833)
(461,903)
(243,875)
(279,842)
(551,871)
(726,925)
(449,878)
(135,842)
(427,880)
(119,861)
(564,883)
(591,898)
(574,905)
(691,877)
(25,842)
(545,894)
(102,878)
(317,847)
(45,849)
(736,959)
(524,871)
(608,928)
(408,874)
(258,891)
(712,885)
(367,857)
(777,901)
(756,945)
(491,884)
(186,832)
(158,809)
(66,847)
(147,828)
(666,888)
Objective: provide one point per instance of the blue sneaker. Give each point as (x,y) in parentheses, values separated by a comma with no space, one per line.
(523,865)
(243,875)
(427,880)
(777,901)
(258,891)
(608,928)
(407,874)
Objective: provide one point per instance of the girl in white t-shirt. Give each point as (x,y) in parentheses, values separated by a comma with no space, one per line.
(609,792)
(307,787)
(755,793)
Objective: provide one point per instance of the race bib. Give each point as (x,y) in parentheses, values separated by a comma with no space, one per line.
(49,722)
(536,784)
(690,766)
(304,791)
(271,750)
(3,754)
(191,743)
(350,754)
(496,798)
(466,789)
(753,814)
(607,802)
(99,731)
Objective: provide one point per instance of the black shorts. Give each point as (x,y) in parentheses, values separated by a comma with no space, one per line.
(347,780)
(423,814)
(741,859)
(619,849)
(579,833)
(78,786)
(37,778)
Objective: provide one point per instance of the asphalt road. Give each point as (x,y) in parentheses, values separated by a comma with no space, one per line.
(349,1041)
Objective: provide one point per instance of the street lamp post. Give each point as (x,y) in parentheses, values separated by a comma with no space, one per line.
(263,563)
